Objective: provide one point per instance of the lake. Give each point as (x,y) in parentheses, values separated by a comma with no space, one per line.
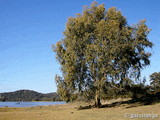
(28,104)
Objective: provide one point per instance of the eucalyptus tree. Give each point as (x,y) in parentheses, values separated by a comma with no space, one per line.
(99,48)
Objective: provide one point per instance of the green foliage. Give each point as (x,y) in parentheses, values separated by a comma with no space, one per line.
(28,95)
(100,48)
(2,98)
(63,90)
(155,81)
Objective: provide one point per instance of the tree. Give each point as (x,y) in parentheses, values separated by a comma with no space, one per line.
(155,80)
(99,47)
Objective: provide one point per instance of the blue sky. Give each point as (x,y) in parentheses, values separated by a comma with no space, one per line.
(28,28)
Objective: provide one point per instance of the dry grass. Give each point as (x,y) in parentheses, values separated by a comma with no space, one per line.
(70,112)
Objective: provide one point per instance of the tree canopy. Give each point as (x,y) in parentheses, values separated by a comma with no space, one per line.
(155,80)
(99,49)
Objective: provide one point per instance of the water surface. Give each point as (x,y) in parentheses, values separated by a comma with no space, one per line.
(28,104)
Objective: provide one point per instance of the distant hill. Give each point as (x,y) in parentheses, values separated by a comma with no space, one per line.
(28,95)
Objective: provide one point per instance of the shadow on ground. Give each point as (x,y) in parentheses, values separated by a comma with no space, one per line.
(135,102)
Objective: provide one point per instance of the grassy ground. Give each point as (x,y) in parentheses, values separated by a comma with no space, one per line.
(70,112)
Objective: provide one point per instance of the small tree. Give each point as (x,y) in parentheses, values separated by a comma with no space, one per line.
(155,80)
(99,47)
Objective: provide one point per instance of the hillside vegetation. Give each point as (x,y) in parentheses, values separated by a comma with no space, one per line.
(28,95)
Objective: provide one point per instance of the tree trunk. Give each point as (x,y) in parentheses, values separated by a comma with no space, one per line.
(97,99)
